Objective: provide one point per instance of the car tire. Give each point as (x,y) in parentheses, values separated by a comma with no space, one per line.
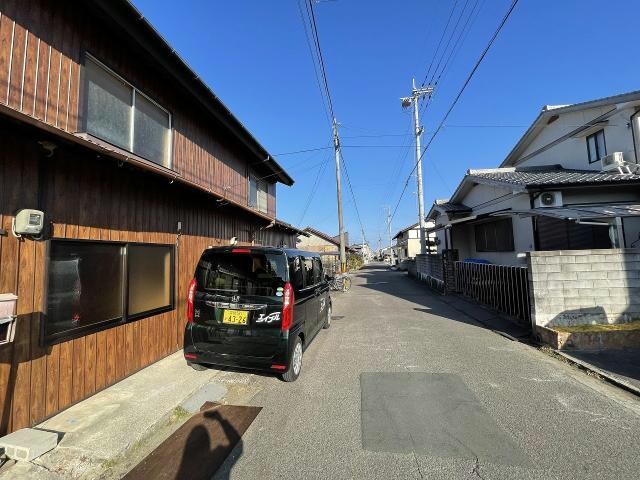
(197,366)
(295,362)
(327,322)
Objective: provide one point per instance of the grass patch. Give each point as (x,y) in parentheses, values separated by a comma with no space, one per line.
(180,413)
(617,327)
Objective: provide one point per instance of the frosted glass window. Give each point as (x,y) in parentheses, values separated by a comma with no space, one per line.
(258,194)
(253,192)
(149,278)
(108,106)
(151,131)
(121,115)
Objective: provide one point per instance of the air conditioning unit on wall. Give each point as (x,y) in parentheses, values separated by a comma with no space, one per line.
(613,161)
(549,199)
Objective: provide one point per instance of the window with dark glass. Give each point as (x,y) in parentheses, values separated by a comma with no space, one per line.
(95,284)
(242,273)
(596,146)
(85,285)
(494,236)
(317,270)
(308,272)
(296,274)
(124,116)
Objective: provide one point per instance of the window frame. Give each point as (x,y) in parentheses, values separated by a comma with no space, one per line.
(508,221)
(253,177)
(594,135)
(47,340)
(135,91)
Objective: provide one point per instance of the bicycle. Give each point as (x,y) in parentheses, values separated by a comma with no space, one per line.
(340,282)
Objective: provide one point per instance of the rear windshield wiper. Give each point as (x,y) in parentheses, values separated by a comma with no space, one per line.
(222,290)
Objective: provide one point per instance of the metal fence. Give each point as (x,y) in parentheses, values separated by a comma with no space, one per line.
(503,287)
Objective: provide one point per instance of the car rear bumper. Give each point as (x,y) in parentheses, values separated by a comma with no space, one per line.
(276,362)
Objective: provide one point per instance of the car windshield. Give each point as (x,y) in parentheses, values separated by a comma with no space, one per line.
(253,273)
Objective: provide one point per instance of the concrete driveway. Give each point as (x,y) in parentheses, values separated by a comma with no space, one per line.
(404,386)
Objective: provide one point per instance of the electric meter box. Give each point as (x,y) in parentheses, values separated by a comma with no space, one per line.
(29,222)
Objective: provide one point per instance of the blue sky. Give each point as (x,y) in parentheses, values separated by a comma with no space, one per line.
(253,54)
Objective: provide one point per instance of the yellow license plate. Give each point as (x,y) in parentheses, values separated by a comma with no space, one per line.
(235,317)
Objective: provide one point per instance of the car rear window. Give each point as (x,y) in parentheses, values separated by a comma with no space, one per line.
(242,273)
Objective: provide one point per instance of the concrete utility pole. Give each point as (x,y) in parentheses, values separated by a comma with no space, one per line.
(336,146)
(388,209)
(416,94)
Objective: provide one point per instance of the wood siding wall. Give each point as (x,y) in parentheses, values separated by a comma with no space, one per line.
(42,48)
(89,198)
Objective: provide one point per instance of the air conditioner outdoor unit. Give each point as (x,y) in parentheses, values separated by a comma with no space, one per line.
(549,199)
(613,161)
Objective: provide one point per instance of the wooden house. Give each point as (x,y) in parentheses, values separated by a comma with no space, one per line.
(138,167)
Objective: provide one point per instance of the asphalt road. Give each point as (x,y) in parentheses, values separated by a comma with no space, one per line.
(443,397)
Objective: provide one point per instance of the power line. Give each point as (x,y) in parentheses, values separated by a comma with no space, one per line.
(444,51)
(462,36)
(435,54)
(313,60)
(355,205)
(457,97)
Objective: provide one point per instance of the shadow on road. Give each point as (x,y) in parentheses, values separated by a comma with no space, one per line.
(398,284)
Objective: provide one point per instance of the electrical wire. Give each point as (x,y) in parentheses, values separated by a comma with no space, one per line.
(457,97)
(440,42)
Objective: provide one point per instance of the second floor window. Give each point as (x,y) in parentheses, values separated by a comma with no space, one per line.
(258,194)
(596,146)
(123,116)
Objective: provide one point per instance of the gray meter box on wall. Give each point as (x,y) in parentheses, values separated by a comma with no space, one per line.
(28,222)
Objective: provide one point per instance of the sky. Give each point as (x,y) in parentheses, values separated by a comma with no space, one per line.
(254,56)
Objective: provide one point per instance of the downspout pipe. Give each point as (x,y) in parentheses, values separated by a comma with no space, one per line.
(635,133)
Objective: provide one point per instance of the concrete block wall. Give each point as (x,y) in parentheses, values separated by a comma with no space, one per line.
(578,287)
(429,265)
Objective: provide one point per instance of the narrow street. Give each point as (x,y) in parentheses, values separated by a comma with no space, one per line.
(464,403)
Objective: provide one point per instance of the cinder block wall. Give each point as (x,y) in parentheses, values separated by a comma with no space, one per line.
(578,287)
(429,265)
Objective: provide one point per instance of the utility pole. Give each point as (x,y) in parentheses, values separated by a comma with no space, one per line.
(416,94)
(388,209)
(336,146)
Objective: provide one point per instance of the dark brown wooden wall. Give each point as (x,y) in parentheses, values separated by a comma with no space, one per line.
(42,47)
(89,198)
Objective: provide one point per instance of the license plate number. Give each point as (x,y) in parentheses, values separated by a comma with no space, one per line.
(235,317)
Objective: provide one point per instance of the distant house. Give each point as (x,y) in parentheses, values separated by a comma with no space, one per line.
(363,250)
(328,246)
(571,182)
(408,241)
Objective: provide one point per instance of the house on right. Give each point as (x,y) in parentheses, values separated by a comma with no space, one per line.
(570,183)
(550,235)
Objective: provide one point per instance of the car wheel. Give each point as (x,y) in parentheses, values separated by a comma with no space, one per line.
(327,322)
(196,366)
(295,363)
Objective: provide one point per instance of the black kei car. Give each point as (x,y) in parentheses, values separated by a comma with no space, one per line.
(256,308)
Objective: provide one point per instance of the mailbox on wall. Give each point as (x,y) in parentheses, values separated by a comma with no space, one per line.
(7,317)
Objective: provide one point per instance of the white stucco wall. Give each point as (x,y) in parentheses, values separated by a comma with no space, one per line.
(572,152)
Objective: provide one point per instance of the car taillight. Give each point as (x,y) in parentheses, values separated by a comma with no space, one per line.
(191,295)
(287,307)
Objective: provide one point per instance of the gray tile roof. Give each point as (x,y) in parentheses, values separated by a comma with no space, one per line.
(551,177)
(452,207)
